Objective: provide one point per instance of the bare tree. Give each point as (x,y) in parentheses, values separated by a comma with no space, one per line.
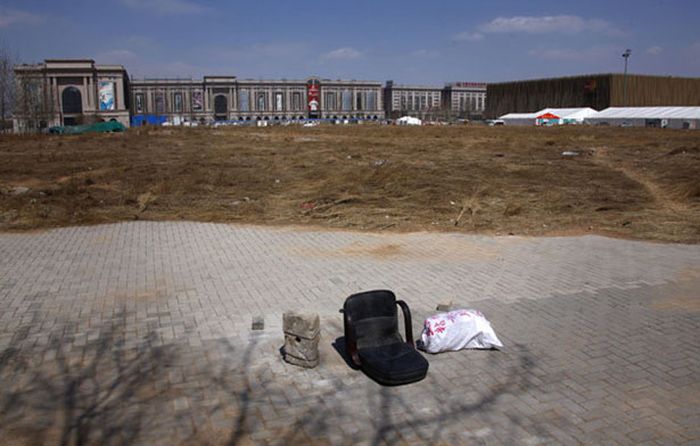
(34,106)
(7,84)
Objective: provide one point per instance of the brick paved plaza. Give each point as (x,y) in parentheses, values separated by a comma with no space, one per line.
(140,333)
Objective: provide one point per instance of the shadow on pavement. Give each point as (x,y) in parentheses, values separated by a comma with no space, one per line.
(121,389)
(99,393)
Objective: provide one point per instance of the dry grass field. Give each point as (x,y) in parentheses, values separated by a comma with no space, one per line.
(638,183)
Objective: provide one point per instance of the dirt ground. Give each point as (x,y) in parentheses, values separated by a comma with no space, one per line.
(627,182)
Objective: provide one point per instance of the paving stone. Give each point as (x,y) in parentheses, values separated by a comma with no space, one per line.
(160,314)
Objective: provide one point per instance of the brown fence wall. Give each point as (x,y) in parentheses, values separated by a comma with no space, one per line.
(648,91)
(596,91)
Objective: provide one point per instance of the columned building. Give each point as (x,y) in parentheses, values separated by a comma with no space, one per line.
(351,99)
(231,99)
(69,92)
(76,91)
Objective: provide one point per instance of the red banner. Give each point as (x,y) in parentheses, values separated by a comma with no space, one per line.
(313,96)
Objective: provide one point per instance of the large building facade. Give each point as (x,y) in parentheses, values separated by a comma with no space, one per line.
(454,100)
(79,91)
(231,99)
(68,92)
(465,99)
(411,100)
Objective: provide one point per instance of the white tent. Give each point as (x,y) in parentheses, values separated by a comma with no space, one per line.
(550,116)
(519,118)
(408,120)
(573,115)
(671,117)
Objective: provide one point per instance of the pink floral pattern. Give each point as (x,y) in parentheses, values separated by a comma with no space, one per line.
(437,324)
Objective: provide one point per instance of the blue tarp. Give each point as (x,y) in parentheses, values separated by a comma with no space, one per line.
(139,120)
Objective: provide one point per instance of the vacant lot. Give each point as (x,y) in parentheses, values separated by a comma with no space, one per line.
(640,183)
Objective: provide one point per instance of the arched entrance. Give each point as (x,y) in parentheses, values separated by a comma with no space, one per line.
(220,108)
(71,104)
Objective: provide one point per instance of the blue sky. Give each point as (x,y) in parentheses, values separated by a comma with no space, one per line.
(408,41)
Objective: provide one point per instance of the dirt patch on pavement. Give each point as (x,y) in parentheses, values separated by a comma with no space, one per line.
(683,302)
(685,294)
(413,247)
(688,274)
(382,251)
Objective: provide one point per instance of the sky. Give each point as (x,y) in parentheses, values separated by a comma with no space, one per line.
(410,42)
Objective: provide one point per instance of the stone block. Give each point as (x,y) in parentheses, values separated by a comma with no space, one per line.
(302,334)
(301,347)
(303,325)
(445,307)
(258,323)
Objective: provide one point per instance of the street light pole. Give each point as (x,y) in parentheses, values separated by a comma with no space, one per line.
(626,56)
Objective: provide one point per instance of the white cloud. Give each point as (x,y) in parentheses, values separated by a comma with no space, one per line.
(258,51)
(343,54)
(120,53)
(166,6)
(425,54)
(9,17)
(568,24)
(140,42)
(118,56)
(694,49)
(466,36)
(587,54)
(655,50)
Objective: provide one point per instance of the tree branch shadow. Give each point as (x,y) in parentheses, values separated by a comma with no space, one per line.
(70,394)
(104,392)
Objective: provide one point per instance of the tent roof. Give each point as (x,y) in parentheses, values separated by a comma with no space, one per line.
(409,120)
(563,113)
(649,113)
(579,113)
(519,116)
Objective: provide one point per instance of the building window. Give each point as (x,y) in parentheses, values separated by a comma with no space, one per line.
(371,100)
(261,102)
(138,99)
(330,101)
(220,107)
(72,100)
(243,98)
(347,100)
(160,103)
(296,100)
(178,102)
(279,101)
(358,100)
